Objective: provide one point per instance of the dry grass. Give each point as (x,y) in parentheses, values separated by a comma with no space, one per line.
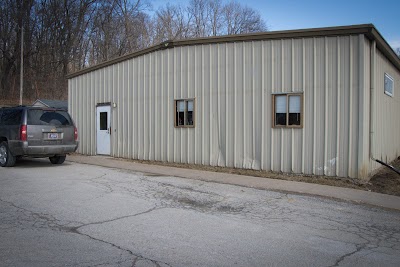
(386,181)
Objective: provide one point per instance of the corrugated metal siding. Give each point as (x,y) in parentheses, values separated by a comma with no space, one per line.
(386,126)
(233,84)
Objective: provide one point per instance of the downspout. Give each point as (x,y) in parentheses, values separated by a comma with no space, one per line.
(372,100)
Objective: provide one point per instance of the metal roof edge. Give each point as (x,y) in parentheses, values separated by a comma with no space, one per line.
(368,29)
(115,60)
(384,47)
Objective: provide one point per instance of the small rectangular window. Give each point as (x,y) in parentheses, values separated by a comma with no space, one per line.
(184,113)
(103,121)
(389,84)
(287,110)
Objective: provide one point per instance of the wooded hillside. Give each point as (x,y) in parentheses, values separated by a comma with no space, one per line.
(62,36)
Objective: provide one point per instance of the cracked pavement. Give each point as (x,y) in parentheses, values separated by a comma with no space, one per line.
(84,215)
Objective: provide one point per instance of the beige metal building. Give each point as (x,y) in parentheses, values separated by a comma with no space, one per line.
(320,101)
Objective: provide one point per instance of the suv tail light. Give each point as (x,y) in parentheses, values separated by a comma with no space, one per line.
(22,133)
(76,133)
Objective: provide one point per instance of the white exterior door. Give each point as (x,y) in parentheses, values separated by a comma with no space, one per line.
(103,129)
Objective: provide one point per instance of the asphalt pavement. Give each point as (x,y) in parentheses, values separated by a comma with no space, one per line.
(339,193)
(86,215)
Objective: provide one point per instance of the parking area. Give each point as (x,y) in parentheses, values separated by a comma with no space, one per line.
(85,215)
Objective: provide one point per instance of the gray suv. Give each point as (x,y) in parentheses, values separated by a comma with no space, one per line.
(36,132)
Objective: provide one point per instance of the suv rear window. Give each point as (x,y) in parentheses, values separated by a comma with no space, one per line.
(11,117)
(48,117)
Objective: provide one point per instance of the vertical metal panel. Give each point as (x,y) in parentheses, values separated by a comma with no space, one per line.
(123,120)
(386,126)
(364,108)
(331,105)
(233,84)
(135,99)
(158,107)
(319,108)
(214,131)
(354,106)
(230,105)
(343,105)
(248,104)
(276,137)
(221,103)
(297,86)
(286,77)
(339,110)
(257,90)
(146,106)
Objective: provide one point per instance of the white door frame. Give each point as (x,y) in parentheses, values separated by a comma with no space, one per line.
(103,129)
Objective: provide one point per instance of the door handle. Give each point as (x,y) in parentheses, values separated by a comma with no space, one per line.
(109,130)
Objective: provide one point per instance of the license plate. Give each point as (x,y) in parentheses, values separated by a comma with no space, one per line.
(53,136)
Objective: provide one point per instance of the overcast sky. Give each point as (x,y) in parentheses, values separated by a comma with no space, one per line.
(297,14)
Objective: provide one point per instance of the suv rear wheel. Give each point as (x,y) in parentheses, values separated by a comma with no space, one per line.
(6,158)
(57,159)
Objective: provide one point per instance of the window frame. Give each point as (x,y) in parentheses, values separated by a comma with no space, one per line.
(287,110)
(185,112)
(384,84)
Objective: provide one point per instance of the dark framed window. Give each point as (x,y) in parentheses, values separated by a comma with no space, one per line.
(103,121)
(11,117)
(48,117)
(288,110)
(184,113)
(389,84)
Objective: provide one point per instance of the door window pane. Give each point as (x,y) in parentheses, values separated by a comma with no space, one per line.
(103,121)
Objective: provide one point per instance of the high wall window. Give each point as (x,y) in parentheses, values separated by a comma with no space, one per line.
(184,113)
(389,84)
(288,110)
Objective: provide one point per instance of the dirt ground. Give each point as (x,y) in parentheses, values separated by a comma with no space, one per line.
(384,181)
(387,181)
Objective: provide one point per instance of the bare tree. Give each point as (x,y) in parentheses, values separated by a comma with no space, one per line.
(200,17)
(205,17)
(14,16)
(63,29)
(215,9)
(171,22)
(62,36)
(240,19)
(119,27)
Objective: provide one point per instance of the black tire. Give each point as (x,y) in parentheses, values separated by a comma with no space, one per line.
(57,159)
(7,159)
